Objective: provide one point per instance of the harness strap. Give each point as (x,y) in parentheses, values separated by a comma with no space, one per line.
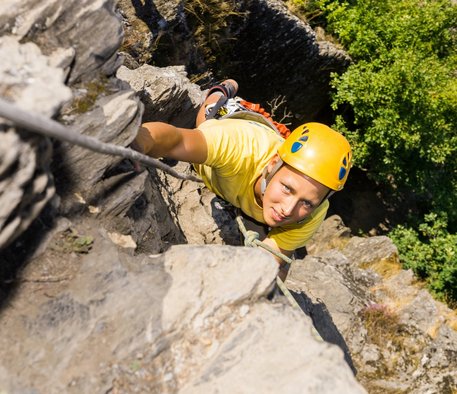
(282,128)
(213,111)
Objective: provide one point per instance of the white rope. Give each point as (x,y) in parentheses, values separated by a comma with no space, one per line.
(251,238)
(40,124)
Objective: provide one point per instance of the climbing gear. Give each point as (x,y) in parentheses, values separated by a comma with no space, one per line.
(48,127)
(226,88)
(251,238)
(228,91)
(238,108)
(231,106)
(319,152)
(282,128)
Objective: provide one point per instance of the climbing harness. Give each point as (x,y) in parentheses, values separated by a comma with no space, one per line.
(48,127)
(281,127)
(239,108)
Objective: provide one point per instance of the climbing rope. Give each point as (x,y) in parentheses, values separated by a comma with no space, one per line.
(251,238)
(48,127)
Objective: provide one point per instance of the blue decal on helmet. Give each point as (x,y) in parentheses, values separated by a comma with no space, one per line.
(296,146)
(342,173)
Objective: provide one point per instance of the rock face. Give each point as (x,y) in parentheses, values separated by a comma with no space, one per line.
(166,92)
(88,32)
(268,50)
(360,298)
(285,58)
(68,41)
(192,320)
(98,308)
(29,79)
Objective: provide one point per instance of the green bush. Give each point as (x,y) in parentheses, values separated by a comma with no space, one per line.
(431,253)
(397,102)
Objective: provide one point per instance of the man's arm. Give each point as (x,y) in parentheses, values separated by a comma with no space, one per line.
(158,139)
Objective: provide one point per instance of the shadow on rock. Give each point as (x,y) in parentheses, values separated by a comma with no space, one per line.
(224,215)
(324,324)
(16,256)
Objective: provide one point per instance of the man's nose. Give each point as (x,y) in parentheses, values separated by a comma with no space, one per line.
(288,206)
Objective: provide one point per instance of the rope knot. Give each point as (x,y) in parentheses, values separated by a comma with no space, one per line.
(250,237)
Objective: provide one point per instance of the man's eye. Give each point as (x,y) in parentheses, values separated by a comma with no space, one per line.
(307,204)
(285,188)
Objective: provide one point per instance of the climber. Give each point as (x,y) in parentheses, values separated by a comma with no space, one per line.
(282,184)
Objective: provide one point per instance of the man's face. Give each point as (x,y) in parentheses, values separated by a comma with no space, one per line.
(290,196)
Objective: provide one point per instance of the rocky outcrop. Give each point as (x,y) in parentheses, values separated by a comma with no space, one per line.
(34,83)
(74,43)
(271,52)
(192,320)
(86,33)
(102,319)
(166,92)
(399,338)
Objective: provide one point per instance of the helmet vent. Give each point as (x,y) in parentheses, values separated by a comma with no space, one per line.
(342,173)
(304,138)
(296,146)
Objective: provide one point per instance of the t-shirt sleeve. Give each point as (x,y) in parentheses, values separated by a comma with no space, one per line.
(234,144)
(294,236)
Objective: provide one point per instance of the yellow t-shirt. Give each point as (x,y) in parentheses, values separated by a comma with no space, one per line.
(238,151)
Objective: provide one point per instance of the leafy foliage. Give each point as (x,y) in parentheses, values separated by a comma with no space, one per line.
(397,103)
(399,97)
(431,253)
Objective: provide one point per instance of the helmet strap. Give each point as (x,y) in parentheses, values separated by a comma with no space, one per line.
(330,193)
(266,176)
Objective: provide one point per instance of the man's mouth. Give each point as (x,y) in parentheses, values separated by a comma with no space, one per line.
(276,216)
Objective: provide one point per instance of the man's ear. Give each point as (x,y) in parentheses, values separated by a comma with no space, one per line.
(274,160)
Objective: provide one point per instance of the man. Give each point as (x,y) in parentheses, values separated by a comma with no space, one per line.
(283,184)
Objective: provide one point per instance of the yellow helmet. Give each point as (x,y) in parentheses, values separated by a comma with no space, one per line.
(318,152)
